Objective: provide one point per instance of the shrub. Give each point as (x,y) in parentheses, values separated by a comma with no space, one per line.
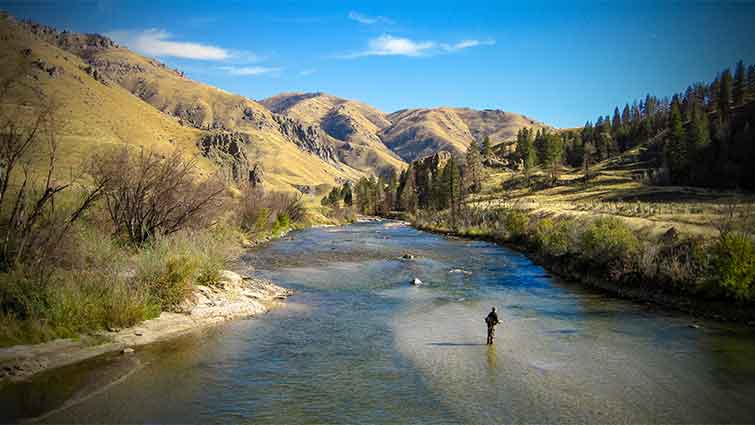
(734,265)
(281,224)
(516,223)
(555,239)
(608,240)
(147,196)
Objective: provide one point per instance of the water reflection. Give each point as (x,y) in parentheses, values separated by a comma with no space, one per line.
(358,344)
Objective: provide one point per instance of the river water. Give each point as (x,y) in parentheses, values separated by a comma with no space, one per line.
(358,344)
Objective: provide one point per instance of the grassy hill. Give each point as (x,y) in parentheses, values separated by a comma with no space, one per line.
(410,133)
(415,133)
(108,95)
(353,125)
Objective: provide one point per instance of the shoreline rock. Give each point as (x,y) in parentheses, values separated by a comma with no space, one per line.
(235,297)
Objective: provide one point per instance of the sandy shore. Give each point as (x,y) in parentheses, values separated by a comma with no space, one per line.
(235,297)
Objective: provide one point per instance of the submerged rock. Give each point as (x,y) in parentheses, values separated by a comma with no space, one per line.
(127,350)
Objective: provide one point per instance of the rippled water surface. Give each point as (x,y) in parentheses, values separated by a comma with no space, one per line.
(358,344)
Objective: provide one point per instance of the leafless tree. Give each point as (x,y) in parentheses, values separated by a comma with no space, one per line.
(148,195)
(31,227)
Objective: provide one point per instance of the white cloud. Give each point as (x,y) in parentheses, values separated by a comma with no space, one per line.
(157,42)
(368,20)
(388,45)
(465,44)
(305,72)
(246,71)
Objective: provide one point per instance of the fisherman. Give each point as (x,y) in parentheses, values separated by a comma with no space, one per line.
(491,320)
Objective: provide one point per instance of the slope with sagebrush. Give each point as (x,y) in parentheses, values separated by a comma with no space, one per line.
(416,133)
(354,126)
(108,95)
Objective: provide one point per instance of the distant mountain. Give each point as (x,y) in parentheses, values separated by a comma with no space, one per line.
(355,126)
(409,133)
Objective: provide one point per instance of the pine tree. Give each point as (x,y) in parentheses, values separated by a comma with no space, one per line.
(588,158)
(525,151)
(698,140)
(346,194)
(740,85)
(473,168)
(553,155)
(408,195)
(724,96)
(676,147)
(451,185)
(487,147)
(616,121)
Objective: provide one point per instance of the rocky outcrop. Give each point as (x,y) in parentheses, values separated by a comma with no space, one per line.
(308,138)
(228,150)
(78,44)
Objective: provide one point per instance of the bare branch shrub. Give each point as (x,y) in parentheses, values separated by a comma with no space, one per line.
(147,195)
(31,226)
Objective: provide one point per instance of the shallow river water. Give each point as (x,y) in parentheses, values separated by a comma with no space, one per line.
(358,344)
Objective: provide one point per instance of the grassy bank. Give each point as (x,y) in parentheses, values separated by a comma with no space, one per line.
(712,277)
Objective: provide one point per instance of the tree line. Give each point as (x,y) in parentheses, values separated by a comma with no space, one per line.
(701,137)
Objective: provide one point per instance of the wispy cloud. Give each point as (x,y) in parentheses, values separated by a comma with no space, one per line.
(369,20)
(305,72)
(157,42)
(248,71)
(388,45)
(465,44)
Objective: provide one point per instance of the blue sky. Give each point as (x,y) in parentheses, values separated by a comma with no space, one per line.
(562,63)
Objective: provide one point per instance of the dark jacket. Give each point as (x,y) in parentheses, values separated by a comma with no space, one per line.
(492,319)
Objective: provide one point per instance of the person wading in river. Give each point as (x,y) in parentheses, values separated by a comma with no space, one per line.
(491,320)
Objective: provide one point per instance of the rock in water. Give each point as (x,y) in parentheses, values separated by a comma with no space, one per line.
(416,282)
(127,350)
(407,257)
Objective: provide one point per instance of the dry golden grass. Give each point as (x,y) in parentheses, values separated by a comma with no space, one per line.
(419,132)
(92,116)
(617,190)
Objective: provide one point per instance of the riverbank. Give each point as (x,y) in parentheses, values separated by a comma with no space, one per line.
(233,297)
(571,270)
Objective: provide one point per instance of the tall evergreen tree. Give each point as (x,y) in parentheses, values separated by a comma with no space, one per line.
(698,140)
(486,149)
(346,194)
(525,151)
(616,121)
(676,146)
(724,96)
(740,84)
(473,168)
(408,194)
(553,155)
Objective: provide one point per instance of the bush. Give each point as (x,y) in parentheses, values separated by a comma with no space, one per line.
(516,223)
(608,240)
(148,196)
(555,239)
(734,265)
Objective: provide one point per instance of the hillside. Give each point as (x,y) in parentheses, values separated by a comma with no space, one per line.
(409,133)
(420,132)
(110,95)
(354,125)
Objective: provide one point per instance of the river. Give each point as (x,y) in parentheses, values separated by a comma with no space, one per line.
(358,344)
